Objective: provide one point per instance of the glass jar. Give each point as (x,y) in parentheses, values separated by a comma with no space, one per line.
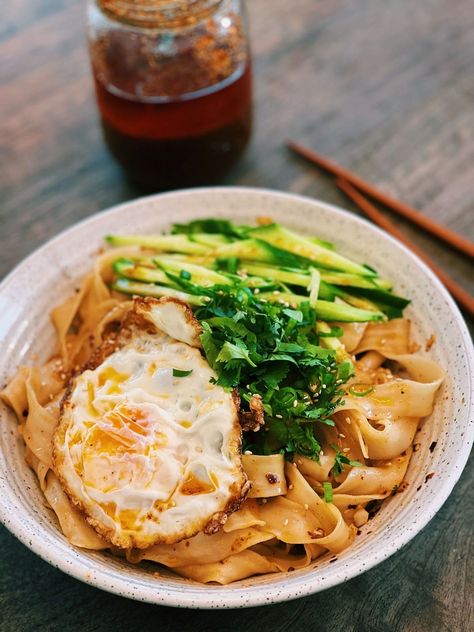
(173,85)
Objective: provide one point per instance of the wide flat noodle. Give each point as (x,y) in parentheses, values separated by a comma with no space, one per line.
(201,548)
(266,473)
(230,569)
(64,315)
(385,441)
(73,524)
(337,535)
(39,428)
(378,479)
(352,334)
(401,397)
(391,337)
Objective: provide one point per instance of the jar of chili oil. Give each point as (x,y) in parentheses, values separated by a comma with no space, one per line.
(174,87)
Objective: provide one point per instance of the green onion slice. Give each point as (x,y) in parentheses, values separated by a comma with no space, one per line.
(327,488)
(361,390)
(179,373)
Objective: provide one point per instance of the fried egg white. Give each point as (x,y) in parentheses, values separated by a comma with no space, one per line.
(148,455)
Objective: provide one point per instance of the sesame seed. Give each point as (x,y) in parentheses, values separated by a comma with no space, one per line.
(295,403)
(290,486)
(306,506)
(279,416)
(276,292)
(341,436)
(286,522)
(256,290)
(248,452)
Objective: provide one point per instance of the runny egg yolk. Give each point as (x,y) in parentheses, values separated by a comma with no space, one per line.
(109,374)
(193,485)
(124,436)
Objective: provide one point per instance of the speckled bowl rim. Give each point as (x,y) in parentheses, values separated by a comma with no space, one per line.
(226,597)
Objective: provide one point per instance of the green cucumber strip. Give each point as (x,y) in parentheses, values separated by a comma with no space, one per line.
(150,289)
(302,247)
(164,243)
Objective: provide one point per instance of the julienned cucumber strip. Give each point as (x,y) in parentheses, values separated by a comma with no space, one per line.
(300,278)
(302,247)
(199,274)
(149,289)
(163,243)
(131,270)
(354,280)
(326,310)
(260,251)
(379,295)
(329,311)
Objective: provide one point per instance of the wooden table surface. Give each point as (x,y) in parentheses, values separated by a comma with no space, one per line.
(387,89)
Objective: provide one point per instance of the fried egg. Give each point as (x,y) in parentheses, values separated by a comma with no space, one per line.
(147,445)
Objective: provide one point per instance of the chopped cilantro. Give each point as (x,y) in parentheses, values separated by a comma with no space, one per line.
(267,349)
(340,460)
(210,226)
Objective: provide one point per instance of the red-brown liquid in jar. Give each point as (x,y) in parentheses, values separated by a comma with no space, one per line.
(184,141)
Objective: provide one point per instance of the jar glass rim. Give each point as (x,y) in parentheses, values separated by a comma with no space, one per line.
(158,13)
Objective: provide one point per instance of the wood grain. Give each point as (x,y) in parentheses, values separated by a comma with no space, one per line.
(385,88)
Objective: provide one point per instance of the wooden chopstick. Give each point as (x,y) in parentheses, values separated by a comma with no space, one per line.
(462,297)
(445,234)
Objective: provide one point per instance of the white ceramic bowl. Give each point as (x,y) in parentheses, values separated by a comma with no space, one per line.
(50,273)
